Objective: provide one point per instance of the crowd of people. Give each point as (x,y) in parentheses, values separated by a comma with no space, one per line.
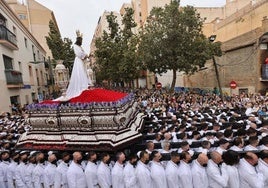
(189,140)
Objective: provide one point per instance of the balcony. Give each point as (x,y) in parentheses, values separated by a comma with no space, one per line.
(14,79)
(7,38)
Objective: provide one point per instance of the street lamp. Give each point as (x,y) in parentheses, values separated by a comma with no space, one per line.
(212,38)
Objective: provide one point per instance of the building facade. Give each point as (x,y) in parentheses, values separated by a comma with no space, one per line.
(22,62)
(242,29)
(36,18)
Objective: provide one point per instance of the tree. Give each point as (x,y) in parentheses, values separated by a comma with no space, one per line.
(61,49)
(172,39)
(116,56)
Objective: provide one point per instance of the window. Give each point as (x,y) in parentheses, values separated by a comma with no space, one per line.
(33,53)
(20,67)
(38,54)
(2,20)
(37,77)
(30,71)
(8,62)
(25,42)
(14,30)
(42,78)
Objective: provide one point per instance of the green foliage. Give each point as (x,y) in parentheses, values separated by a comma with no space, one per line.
(115,54)
(172,39)
(61,48)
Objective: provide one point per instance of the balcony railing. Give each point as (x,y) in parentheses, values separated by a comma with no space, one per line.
(13,77)
(8,38)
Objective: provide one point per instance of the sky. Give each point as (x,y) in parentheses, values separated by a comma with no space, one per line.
(83,15)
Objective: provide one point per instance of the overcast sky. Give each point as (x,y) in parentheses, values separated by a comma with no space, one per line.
(84,14)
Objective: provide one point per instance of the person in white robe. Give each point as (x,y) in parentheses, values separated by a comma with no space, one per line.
(231,160)
(91,170)
(20,171)
(118,171)
(61,172)
(263,166)
(38,172)
(130,179)
(142,172)
(104,172)
(29,169)
(12,169)
(249,176)
(50,171)
(199,174)
(79,80)
(172,170)
(158,173)
(3,168)
(217,176)
(75,175)
(185,175)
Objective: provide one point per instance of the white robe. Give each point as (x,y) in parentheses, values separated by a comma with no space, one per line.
(79,80)
(263,168)
(143,175)
(217,177)
(11,174)
(38,175)
(118,176)
(185,175)
(3,174)
(158,175)
(20,175)
(76,177)
(91,175)
(61,176)
(199,174)
(29,175)
(172,175)
(249,178)
(104,176)
(49,175)
(233,176)
(130,179)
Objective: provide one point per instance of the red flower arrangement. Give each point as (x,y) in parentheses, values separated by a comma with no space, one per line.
(98,95)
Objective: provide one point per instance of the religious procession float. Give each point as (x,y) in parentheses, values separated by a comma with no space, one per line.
(97,119)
